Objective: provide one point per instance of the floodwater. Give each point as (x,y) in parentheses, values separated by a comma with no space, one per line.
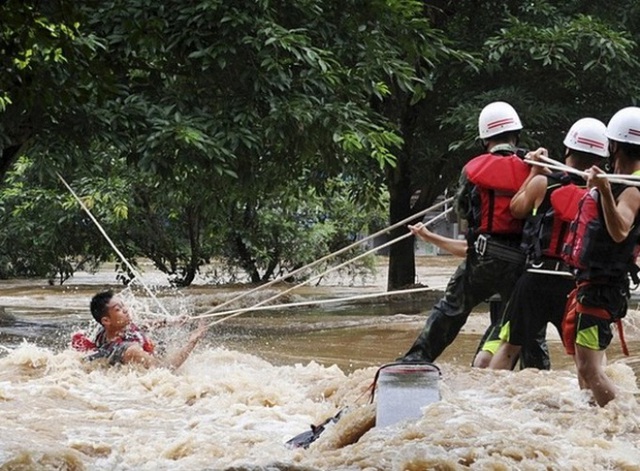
(263,377)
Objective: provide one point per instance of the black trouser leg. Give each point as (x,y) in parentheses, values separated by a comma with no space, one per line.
(439,331)
(536,354)
(474,281)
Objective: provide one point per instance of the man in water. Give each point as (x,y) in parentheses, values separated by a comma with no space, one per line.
(121,341)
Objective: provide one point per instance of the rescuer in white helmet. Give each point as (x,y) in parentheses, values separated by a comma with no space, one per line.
(602,246)
(493,261)
(549,201)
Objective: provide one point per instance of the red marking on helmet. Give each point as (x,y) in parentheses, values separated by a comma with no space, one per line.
(500,122)
(590,142)
(634,132)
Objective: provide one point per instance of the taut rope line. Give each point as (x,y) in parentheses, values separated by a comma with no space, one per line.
(404,236)
(327,257)
(113,246)
(319,301)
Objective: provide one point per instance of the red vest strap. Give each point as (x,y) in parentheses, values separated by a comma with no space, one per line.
(623,342)
(569,322)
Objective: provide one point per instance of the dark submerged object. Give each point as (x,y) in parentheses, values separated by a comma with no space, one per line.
(304,439)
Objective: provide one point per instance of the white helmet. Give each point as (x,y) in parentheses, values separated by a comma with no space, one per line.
(588,135)
(496,118)
(624,126)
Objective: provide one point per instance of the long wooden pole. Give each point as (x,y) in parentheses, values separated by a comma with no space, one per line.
(555,165)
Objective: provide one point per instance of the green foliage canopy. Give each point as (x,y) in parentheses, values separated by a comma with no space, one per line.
(219,121)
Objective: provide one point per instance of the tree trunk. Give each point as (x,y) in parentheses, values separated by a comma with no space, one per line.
(402,265)
(246,261)
(193,264)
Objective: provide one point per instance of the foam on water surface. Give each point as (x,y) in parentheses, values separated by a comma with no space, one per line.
(226,409)
(248,389)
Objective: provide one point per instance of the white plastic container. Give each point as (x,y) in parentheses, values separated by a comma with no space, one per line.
(403,389)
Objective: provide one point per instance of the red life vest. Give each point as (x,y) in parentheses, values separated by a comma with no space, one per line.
(590,248)
(565,202)
(545,232)
(80,342)
(495,179)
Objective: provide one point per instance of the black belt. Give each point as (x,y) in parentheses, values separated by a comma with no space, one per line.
(485,246)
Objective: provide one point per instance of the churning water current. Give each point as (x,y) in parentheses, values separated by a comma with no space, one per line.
(261,378)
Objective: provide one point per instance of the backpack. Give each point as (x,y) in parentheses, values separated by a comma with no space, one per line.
(545,231)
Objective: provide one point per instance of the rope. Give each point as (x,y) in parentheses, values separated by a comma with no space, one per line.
(113,246)
(327,257)
(404,236)
(318,301)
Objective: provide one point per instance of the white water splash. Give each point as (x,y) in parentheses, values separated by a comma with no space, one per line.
(227,409)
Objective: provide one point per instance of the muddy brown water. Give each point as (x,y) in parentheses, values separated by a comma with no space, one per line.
(261,378)
(351,335)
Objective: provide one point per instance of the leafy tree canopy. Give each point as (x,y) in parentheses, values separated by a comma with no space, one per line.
(211,117)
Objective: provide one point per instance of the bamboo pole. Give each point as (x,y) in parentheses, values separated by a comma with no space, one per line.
(555,165)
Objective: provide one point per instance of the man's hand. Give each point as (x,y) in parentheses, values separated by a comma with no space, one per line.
(594,181)
(201,331)
(537,156)
(420,230)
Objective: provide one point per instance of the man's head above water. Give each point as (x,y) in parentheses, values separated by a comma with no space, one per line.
(107,308)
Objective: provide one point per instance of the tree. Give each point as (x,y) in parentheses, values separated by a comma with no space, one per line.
(52,78)
(222,109)
(44,233)
(241,100)
(279,236)
(248,95)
